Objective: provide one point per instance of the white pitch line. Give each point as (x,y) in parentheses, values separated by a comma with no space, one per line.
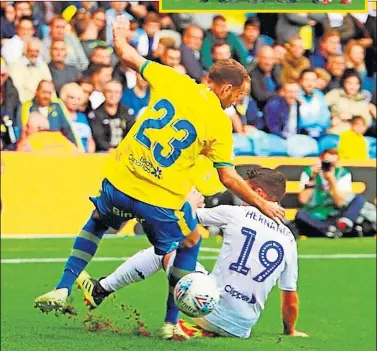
(117,259)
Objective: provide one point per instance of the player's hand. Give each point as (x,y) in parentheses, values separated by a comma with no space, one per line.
(273,210)
(121,31)
(195,199)
(297,333)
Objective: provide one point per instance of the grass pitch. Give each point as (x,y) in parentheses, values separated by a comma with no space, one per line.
(338,301)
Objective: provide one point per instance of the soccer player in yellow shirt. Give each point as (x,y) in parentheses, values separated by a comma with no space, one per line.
(148,175)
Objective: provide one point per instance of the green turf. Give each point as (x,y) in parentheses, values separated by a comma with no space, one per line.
(269,5)
(338,306)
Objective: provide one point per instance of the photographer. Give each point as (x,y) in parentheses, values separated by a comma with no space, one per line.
(328,206)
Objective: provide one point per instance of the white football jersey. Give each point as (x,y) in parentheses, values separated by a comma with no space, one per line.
(256,252)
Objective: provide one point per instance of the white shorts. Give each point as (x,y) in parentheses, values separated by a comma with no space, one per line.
(206,325)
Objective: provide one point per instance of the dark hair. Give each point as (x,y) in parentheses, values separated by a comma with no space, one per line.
(228,71)
(252,21)
(349,73)
(271,181)
(308,70)
(218,43)
(218,18)
(25,18)
(98,67)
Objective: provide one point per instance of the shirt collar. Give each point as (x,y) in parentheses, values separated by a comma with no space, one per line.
(28,63)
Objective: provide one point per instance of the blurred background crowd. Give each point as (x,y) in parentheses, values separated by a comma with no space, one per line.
(312,75)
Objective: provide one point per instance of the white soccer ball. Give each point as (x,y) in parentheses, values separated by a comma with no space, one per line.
(196,294)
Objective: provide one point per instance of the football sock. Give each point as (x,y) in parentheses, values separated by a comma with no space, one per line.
(184,263)
(136,268)
(83,250)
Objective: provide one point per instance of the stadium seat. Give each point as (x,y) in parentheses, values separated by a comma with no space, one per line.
(243,146)
(302,146)
(328,142)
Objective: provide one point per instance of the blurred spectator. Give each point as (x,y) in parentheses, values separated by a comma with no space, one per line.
(100,55)
(219,31)
(37,136)
(347,102)
(9,107)
(293,24)
(7,23)
(87,88)
(220,51)
(323,78)
(99,19)
(124,75)
(111,121)
(251,38)
(190,51)
(102,74)
(52,109)
(328,206)
(265,77)
(355,57)
(117,8)
(280,52)
(336,66)
(14,47)
(27,71)
(89,36)
(342,23)
(294,61)
(72,95)
(137,98)
(329,45)
(352,143)
(61,73)
(314,111)
(160,49)
(151,26)
(172,58)
(75,53)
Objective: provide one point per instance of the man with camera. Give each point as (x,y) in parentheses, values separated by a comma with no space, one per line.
(328,206)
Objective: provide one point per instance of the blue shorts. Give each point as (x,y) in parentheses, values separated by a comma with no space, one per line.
(165,228)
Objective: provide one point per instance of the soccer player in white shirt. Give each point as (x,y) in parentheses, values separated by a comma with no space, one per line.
(256,253)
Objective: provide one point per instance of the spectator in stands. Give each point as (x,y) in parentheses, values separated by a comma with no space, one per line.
(294,61)
(111,121)
(72,95)
(7,23)
(336,65)
(190,52)
(89,36)
(9,108)
(328,206)
(172,58)
(14,47)
(151,26)
(101,55)
(27,71)
(137,98)
(282,118)
(355,57)
(51,109)
(347,102)
(124,75)
(61,73)
(280,51)
(250,37)
(117,8)
(323,78)
(219,31)
(220,51)
(102,74)
(87,87)
(75,53)
(314,111)
(265,77)
(160,48)
(329,45)
(99,19)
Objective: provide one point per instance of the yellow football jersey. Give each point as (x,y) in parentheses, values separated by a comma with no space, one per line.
(183,119)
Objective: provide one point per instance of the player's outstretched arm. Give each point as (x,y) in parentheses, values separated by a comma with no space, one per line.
(290,304)
(234,183)
(126,53)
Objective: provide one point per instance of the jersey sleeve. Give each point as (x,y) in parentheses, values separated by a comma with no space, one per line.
(288,278)
(216,216)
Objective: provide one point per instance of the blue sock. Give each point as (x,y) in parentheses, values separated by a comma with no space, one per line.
(184,263)
(83,250)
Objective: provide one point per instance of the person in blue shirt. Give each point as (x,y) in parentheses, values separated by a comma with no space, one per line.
(138,97)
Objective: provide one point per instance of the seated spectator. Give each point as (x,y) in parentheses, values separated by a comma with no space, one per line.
(251,38)
(99,19)
(125,75)
(27,71)
(329,45)
(159,50)
(221,51)
(352,143)
(282,119)
(314,111)
(294,61)
(219,31)
(89,36)
(328,206)
(37,136)
(146,40)
(355,57)
(117,8)
(347,102)
(51,109)
(336,65)
(265,77)
(323,78)
(10,109)
(61,73)
(280,51)
(111,121)
(343,23)
(172,58)
(87,88)
(102,74)
(7,23)
(101,55)
(75,53)
(72,95)
(190,52)
(14,48)
(137,98)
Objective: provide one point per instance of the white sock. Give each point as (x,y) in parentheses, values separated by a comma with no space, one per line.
(137,268)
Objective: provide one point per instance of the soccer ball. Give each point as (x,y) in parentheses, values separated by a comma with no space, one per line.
(196,294)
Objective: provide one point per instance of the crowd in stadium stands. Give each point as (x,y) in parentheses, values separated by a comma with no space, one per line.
(312,76)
